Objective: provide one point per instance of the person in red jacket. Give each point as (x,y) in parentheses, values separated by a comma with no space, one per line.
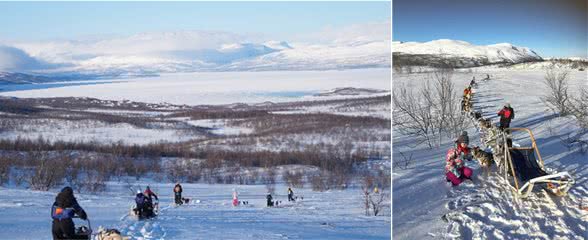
(506,115)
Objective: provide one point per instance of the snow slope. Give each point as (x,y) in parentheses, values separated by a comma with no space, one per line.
(496,53)
(332,214)
(486,209)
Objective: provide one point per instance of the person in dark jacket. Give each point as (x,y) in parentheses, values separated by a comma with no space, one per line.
(290,195)
(269,198)
(178,193)
(150,194)
(506,115)
(152,205)
(144,207)
(140,201)
(63,210)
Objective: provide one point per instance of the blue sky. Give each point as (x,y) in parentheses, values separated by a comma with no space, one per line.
(550,27)
(30,21)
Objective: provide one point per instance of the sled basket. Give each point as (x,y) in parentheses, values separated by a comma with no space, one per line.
(526,168)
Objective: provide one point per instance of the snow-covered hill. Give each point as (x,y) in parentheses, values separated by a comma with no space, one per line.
(19,78)
(351,91)
(191,51)
(466,54)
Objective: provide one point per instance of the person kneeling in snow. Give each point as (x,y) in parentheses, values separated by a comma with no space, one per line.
(455,171)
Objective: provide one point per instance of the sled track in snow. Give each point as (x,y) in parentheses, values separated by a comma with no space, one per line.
(488,209)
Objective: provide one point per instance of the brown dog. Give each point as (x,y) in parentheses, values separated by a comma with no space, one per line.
(485,123)
(484,158)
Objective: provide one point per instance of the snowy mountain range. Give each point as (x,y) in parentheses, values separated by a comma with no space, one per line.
(192,51)
(461,53)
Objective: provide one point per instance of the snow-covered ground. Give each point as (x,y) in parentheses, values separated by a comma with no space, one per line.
(487,209)
(94,131)
(217,87)
(326,215)
(219,127)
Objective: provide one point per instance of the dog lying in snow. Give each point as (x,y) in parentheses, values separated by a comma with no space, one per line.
(110,234)
(484,158)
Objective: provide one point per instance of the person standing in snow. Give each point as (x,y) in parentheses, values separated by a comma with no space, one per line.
(235,198)
(269,198)
(150,194)
(463,150)
(455,171)
(506,115)
(473,81)
(178,193)
(63,210)
(290,195)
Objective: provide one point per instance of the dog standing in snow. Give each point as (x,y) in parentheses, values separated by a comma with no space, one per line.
(484,158)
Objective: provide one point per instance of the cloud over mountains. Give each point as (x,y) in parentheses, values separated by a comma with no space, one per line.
(356,46)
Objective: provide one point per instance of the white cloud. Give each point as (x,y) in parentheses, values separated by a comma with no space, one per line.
(14,59)
(352,34)
(352,46)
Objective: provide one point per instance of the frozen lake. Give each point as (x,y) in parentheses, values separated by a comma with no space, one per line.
(210,87)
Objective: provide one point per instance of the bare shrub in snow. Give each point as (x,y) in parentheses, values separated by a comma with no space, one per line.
(378,201)
(374,197)
(430,113)
(317,182)
(338,178)
(294,179)
(557,97)
(269,179)
(403,163)
(193,172)
(93,182)
(367,184)
(46,172)
(176,171)
(579,107)
(383,179)
(5,167)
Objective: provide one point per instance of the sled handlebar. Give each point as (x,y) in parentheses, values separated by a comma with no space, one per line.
(87,220)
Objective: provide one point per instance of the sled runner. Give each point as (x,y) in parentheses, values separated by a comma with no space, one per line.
(523,168)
